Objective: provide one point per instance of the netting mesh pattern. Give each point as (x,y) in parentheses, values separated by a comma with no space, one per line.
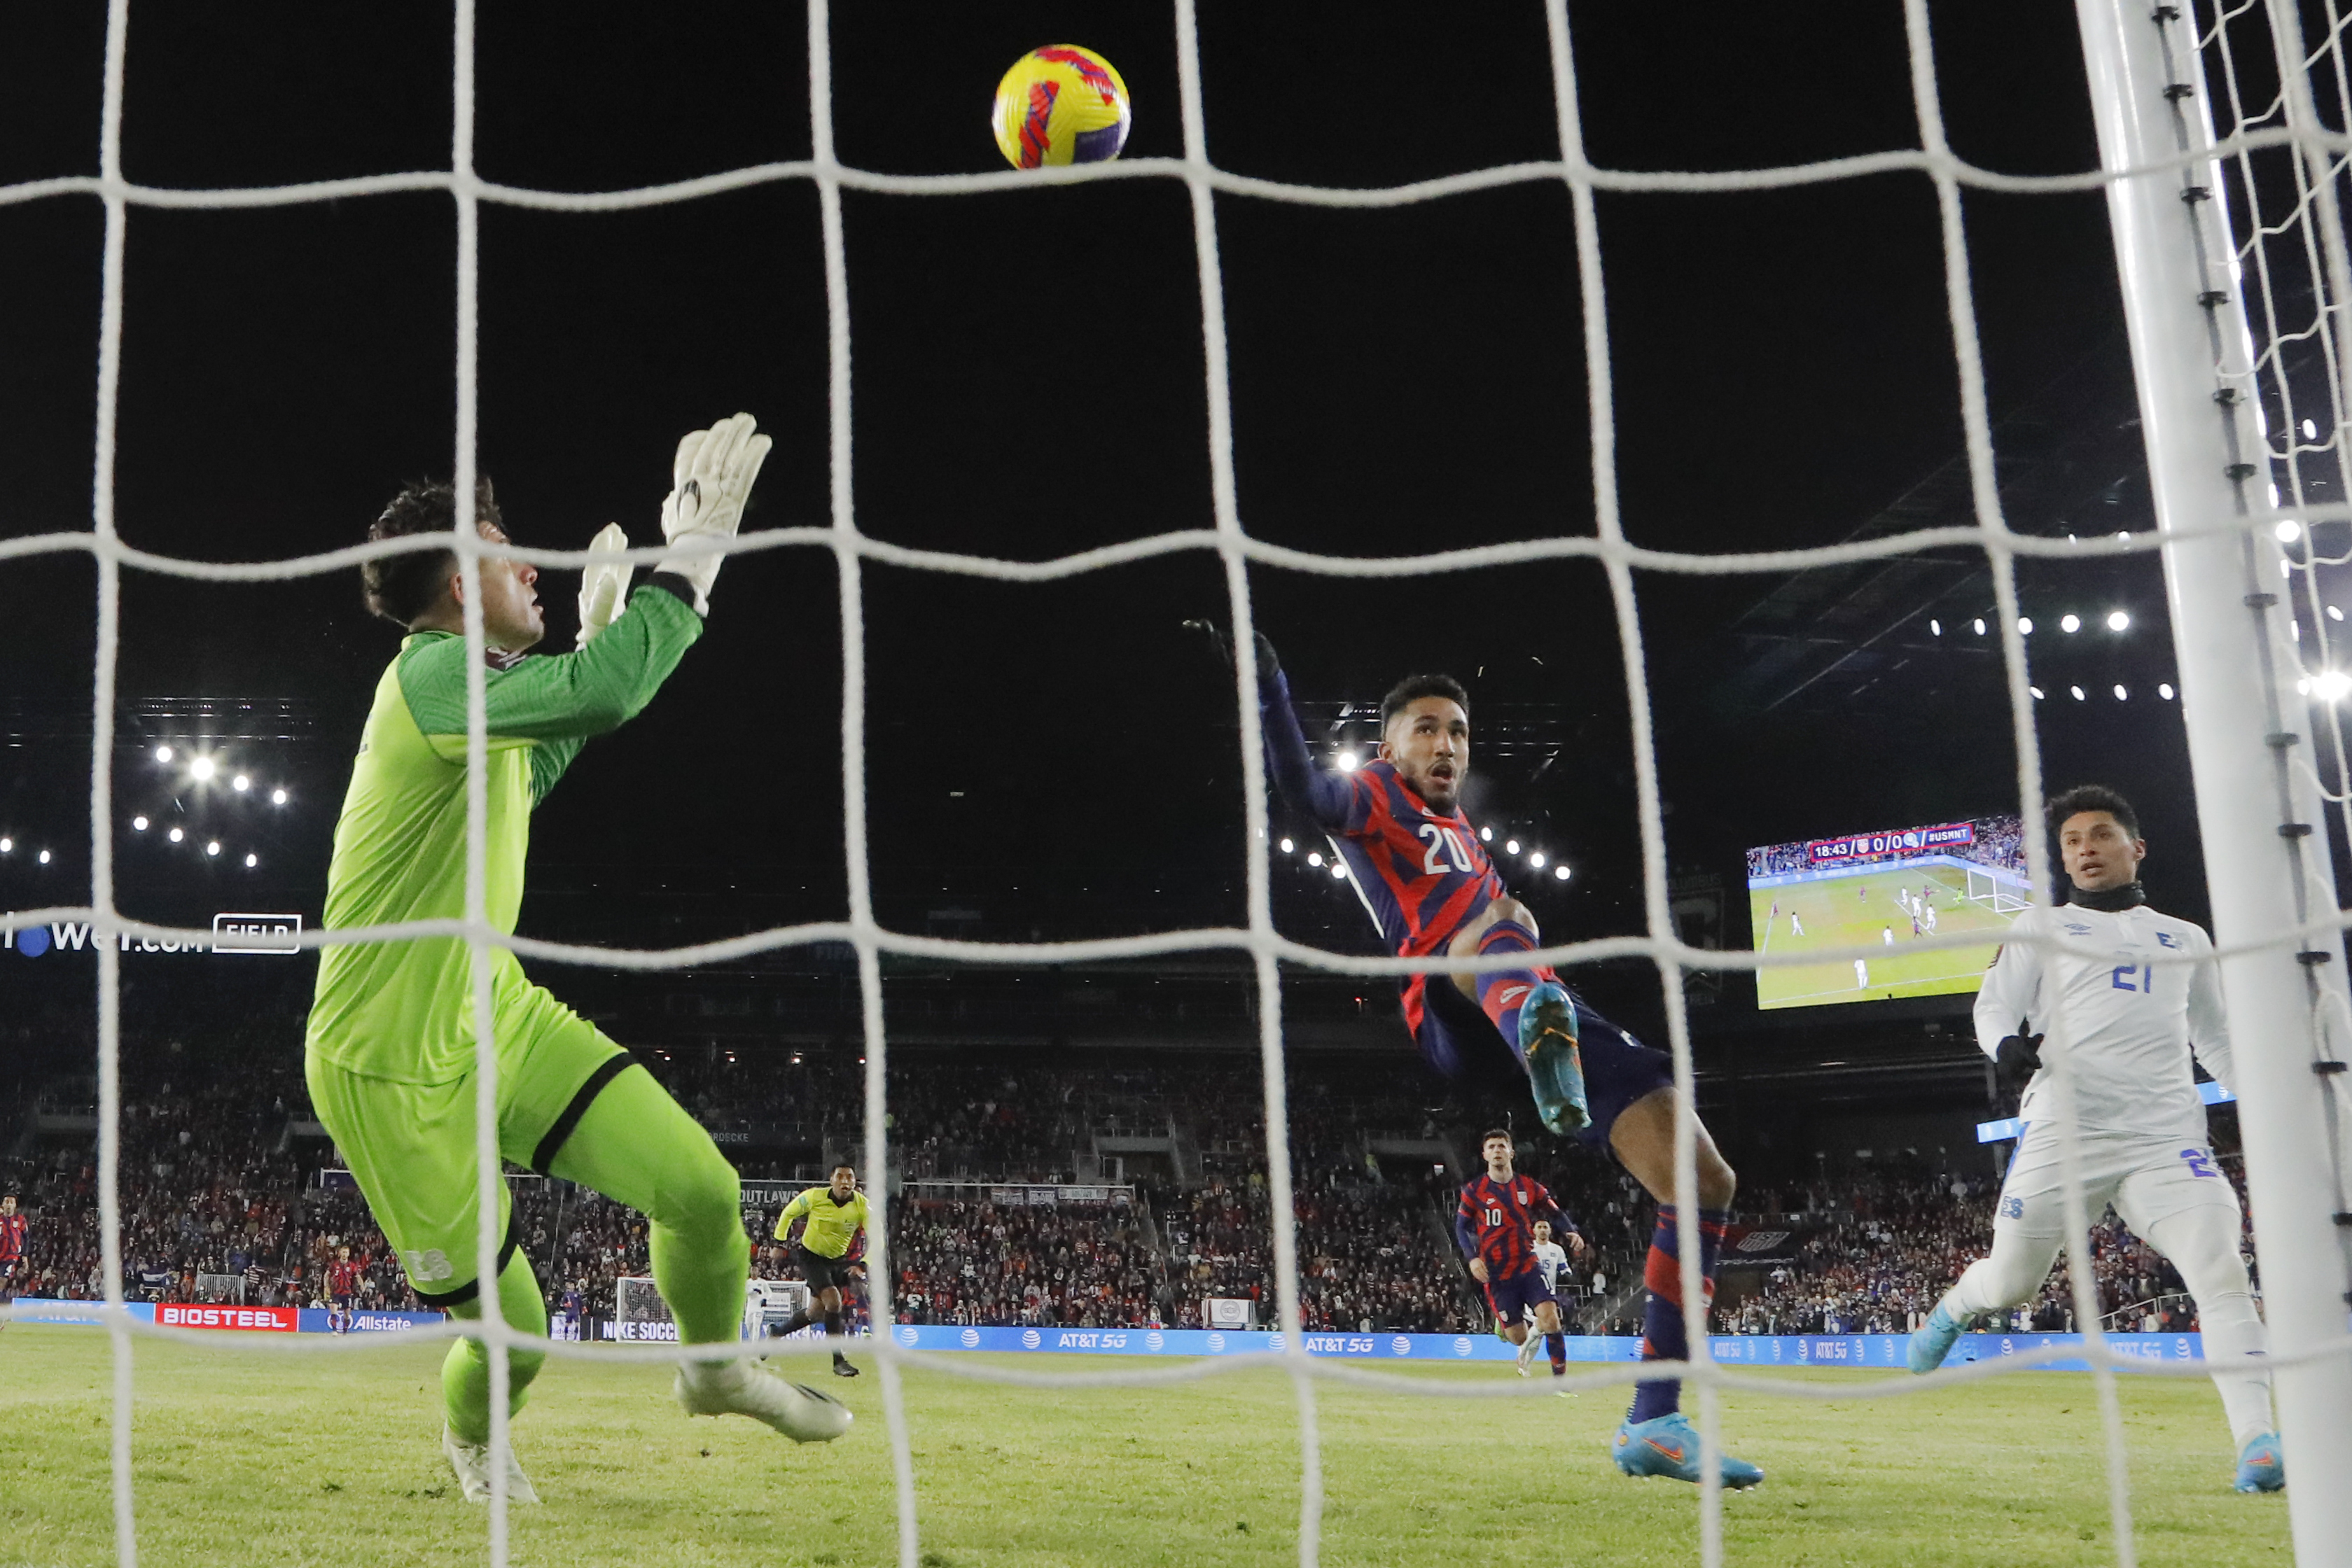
(2260,129)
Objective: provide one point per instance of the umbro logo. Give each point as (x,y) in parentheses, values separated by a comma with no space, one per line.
(2074,928)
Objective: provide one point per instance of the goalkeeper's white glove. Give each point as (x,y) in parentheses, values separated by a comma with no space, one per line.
(711,480)
(604,584)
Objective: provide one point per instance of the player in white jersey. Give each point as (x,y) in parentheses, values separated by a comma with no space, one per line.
(2131,1025)
(1796,926)
(1927,917)
(1551,1262)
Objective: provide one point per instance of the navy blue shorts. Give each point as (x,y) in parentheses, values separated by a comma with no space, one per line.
(1511,1298)
(1460,1040)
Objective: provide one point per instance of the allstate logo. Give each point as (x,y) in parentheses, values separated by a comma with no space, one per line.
(1462,1345)
(1274,1341)
(970,1337)
(1030,1339)
(907,1336)
(1155,1341)
(1400,1345)
(1216,1343)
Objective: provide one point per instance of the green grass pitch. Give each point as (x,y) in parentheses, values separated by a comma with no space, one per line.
(1855,912)
(332,1461)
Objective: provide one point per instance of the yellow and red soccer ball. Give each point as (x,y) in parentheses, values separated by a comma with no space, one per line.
(1060,104)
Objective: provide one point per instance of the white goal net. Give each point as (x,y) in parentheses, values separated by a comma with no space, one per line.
(2256,320)
(2003,896)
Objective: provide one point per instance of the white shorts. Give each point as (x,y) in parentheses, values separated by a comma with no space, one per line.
(2147,1179)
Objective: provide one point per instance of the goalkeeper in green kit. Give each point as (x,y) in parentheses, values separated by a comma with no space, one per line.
(390,1054)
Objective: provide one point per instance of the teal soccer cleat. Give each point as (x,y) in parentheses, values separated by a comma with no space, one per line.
(1934,1340)
(1669,1446)
(1555,1067)
(2261,1466)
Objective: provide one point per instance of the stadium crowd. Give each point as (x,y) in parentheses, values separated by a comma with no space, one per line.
(223,1194)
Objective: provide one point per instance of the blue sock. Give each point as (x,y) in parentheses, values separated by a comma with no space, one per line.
(1662,1338)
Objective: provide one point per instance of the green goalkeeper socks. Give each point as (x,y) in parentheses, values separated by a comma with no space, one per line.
(466,1372)
(636,1146)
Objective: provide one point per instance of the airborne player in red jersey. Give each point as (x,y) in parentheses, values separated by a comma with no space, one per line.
(1424,877)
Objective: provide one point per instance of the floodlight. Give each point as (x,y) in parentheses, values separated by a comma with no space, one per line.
(1935,627)
(212,847)
(2118,621)
(177,835)
(2036,691)
(2334,613)
(2025,626)
(1511,846)
(2077,691)
(2164,690)
(139,824)
(1338,869)
(2122,695)
(1349,762)
(162,754)
(2288,529)
(277,796)
(252,861)
(1486,835)
(2070,622)
(1314,857)
(241,783)
(1536,859)
(1560,871)
(201,768)
(1287,846)
(1979,624)
(7,846)
(2310,431)
(44,857)
(2332,685)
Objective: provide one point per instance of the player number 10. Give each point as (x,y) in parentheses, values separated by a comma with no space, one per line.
(2121,977)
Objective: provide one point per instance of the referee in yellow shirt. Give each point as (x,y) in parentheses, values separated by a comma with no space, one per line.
(835,1214)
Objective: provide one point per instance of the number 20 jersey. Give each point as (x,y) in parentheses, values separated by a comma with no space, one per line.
(2132,1019)
(1422,873)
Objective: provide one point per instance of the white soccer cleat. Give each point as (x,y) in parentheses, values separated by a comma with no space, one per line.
(472,1463)
(1527,1353)
(736,1388)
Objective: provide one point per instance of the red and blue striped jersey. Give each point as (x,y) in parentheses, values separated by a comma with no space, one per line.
(12,1238)
(1422,873)
(1497,1222)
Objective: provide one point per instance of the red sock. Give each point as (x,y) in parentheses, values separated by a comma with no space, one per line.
(1501,992)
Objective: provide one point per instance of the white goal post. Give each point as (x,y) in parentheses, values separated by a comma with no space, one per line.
(2253,742)
(2001,895)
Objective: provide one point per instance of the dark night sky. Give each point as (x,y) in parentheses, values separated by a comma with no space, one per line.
(1029,381)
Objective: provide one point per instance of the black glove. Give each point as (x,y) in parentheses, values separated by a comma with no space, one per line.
(1268,665)
(2018,1060)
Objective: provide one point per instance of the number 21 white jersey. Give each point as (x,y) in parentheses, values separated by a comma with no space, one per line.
(2131,1020)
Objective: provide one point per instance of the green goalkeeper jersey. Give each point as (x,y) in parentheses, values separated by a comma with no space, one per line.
(402,1010)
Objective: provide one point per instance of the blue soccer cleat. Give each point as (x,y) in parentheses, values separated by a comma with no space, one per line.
(1934,1339)
(2261,1465)
(1669,1446)
(1555,1067)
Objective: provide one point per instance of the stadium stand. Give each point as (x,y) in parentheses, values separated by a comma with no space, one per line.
(231,1190)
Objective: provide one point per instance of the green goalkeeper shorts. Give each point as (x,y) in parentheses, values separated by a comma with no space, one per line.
(411,1146)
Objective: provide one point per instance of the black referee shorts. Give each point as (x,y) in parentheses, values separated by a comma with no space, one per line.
(823,1273)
